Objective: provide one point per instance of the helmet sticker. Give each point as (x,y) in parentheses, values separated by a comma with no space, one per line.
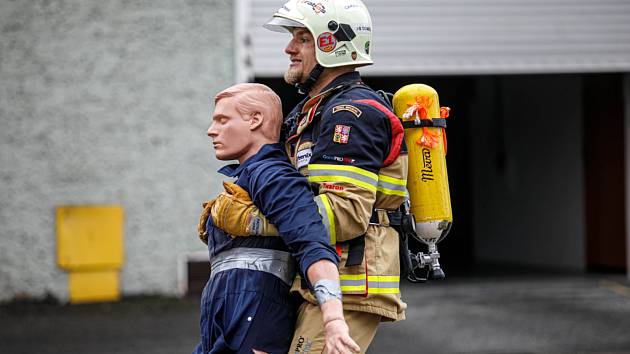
(365,28)
(340,53)
(367,47)
(326,42)
(318,8)
(354,55)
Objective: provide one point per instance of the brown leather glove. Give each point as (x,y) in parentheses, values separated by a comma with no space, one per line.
(205,214)
(234,212)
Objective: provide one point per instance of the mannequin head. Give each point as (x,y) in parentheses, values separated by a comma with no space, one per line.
(246,117)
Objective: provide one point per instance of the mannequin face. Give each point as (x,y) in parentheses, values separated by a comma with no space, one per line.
(231,135)
(301,51)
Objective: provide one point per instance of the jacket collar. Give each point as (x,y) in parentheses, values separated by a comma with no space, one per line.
(235,170)
(341,80)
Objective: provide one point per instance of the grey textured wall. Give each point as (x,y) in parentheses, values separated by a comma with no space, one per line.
(528,171)
(107,102)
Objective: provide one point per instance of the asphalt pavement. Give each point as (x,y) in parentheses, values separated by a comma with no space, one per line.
(481,314)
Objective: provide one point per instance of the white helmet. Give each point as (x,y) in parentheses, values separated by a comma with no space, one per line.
(342,29)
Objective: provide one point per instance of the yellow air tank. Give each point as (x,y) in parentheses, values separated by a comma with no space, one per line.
(418,106)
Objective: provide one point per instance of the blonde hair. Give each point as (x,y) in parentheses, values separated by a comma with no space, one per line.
(254,98)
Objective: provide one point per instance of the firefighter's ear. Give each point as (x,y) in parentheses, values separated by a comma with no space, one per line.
(256,120)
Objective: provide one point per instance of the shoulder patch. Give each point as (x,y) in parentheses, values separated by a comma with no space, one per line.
(346,107)
(342,134)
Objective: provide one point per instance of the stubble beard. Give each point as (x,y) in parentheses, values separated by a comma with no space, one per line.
(292,77)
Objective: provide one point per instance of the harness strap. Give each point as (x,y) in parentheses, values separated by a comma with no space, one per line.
(356,251)
(277,263)
(435,122)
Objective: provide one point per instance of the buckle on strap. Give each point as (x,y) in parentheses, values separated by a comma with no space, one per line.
(277,263)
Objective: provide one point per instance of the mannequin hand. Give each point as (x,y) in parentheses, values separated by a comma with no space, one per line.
(205,214)
(234,212)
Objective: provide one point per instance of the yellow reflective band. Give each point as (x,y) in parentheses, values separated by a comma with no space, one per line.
(383,284)
(392,186)
(321,167)
(352,283)
(330,217)
(383,290)
(391,192)
(381,278)
(392,180)
(352,276)
(350,180)
(353,288)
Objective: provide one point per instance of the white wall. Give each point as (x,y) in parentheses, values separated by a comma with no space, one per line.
(528,171)
(107,102)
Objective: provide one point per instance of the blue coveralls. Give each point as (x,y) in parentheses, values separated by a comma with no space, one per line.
(244,309)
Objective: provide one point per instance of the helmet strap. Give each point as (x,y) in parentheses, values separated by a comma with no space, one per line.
(304,87)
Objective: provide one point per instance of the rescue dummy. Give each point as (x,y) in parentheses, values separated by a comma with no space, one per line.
(346,140)
(245,305)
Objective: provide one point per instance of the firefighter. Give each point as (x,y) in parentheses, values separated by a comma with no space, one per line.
(246,304)
(345,139)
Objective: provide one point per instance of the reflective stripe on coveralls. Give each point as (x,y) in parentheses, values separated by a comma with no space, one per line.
(277,263)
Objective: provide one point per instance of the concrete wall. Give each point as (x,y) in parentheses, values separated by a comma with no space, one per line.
(107,102)
(528,171)
(626,94)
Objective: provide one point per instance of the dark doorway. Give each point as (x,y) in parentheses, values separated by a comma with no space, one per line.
(604,162)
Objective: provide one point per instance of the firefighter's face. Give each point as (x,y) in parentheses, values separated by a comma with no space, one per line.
(230,132)
(301,51)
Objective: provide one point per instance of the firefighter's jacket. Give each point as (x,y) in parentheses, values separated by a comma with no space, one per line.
(350,146)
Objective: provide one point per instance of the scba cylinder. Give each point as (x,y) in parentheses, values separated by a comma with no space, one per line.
(419,108)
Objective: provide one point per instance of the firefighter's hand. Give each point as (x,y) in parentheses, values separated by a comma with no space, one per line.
(234,212)
(337,337)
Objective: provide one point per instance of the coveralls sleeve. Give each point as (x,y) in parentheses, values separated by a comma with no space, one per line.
(284,196)
(346,160)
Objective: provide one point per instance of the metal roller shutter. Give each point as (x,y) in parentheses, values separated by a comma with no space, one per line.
(474,37)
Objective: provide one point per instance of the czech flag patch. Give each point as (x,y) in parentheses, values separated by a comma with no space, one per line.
(342,134)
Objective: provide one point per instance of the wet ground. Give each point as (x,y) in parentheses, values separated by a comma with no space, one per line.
(513,313)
